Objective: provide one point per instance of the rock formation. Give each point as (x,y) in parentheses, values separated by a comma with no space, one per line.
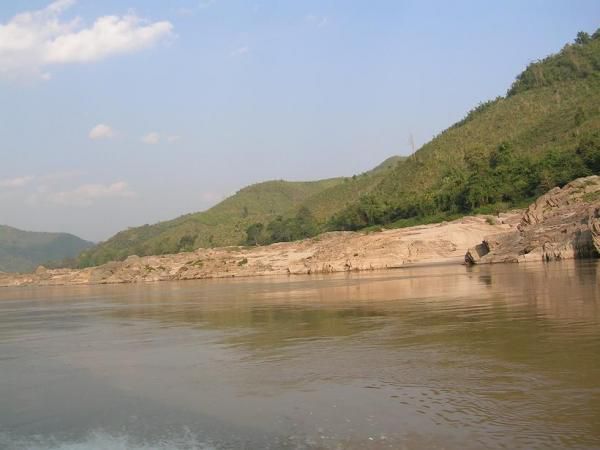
(561,224)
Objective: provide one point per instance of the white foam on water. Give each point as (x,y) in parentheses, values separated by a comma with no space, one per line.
(100,440)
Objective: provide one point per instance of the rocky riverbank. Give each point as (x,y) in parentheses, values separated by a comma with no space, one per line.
(561,224)
(331,252)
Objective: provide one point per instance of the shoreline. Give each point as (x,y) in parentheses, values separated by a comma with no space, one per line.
(442,263)
(424,245)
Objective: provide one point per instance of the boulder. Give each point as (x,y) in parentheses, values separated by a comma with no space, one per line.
(561,224)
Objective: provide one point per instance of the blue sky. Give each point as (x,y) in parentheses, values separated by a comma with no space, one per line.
(116,114)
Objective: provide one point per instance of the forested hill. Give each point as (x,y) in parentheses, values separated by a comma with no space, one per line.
(543,133)
(23,251)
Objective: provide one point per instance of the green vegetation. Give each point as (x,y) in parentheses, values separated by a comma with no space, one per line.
(311,216)
(222,225)
(592,196)
(23,251)
(544,133)
(579,60)
(334,199)
(301,226)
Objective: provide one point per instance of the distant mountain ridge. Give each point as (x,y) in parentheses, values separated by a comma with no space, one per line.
(23,251)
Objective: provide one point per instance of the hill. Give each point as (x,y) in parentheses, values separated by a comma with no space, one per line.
(222,225)
(312,215)
(545,132)
(227,222)
(329,201)
(23,251)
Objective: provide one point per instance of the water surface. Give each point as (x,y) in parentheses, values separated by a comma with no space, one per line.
(504,356)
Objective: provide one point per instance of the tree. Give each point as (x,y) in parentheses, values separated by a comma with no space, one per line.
(582,38)
(589,151)
(186,243)
(255,234)
(306,225)
(279,230)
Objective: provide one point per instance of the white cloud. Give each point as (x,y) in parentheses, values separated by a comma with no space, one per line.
(33,40)
(101,131)
(240,51)
(151,138)
(16,182)
(86,194)
(108,36)
(173,138)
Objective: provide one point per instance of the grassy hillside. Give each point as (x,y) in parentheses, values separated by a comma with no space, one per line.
(223,224)
(334,199)
(23,251)
(312,215)
(543,133)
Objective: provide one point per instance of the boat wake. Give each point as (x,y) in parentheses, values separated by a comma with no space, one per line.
(101,440)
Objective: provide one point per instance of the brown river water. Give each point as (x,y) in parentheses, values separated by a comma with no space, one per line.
(504,356)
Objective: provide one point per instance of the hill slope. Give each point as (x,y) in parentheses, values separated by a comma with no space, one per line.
(226,223)
(23,251)
(223,224)
(329,201)
(544,133)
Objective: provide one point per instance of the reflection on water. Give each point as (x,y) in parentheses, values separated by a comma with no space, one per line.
(437,357)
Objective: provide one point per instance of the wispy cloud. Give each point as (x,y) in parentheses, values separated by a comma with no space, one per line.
(62,189)
(173,138)
(87,194)
(240,51)
(17,182)
(101,131)
(34,40)
(151,138)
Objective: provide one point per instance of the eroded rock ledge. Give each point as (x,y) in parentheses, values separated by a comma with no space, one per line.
(561,224)
(330,252)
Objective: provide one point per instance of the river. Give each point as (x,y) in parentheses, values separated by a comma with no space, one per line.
(504,356)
